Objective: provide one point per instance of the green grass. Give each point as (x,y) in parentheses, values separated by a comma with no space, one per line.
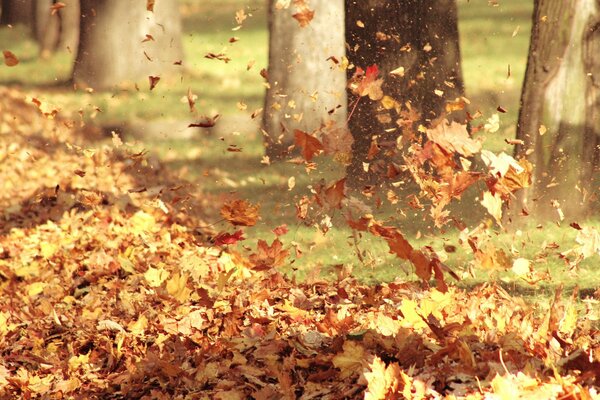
(492,38)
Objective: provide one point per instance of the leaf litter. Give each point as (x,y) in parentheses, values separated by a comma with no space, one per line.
(111,288)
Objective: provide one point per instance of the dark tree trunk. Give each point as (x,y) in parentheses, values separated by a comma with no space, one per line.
(558,140)
(16,12)
(306,87)
(114,49)
(422,37)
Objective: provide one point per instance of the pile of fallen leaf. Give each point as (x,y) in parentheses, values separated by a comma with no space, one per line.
(107,291)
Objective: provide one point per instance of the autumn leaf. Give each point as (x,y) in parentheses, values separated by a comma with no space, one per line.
(268,256)
(153,81)
(454,138)
(10,59)
(54,8)
(367,84)
(225,238)
(240,16)
(206,122)
(304,15)
(240,212)
(150,5)
(309,144)
(331,197)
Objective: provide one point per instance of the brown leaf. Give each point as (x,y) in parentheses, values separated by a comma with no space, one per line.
(153,81)
(267,257)
(150,5)
(332,196)
(304,16)
(309,144)
(454,138)
(240,212)
(10,59)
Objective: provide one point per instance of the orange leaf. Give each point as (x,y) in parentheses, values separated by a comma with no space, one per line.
(240,212)
(150,5)
(56,6)
(310,145)
(267,257)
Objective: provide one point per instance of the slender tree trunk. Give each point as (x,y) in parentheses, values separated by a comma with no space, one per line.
(591,139)
(420,36)
(114,48)
(553,110)
(59,30)
(306,81)
(41,18)
(16,12)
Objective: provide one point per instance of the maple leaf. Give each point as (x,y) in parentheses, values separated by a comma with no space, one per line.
(304,14)
(10,59)
(310,145)
(240,16)
(331,197)
(225,238)
(454,138)
(240,212)
(267,257)
(368,84)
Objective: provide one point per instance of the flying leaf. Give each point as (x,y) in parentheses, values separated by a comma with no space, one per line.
(309,144)
(225,238)
(304,15)
(240,212)
(153,81)
(56,6)
(331,196)
(10,59)
(493,204)
(454,138)
(150,5)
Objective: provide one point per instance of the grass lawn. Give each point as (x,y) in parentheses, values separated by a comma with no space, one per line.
(494,41)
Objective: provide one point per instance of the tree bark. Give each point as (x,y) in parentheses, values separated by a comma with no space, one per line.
(16,12)
(551,124)
(114,48)
(422,37)
(306,81)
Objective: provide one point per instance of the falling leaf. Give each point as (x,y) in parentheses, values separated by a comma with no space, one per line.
(493,204)
(191,99)
(331,197)
(153,81)
(150,5)
(54,8)
(454,138)
(207,122)
(304,16)
(309,144)
(225,238)
(521,267)
(10,59)
(240,16)
(240,212)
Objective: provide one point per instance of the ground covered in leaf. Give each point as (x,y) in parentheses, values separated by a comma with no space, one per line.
(109,289)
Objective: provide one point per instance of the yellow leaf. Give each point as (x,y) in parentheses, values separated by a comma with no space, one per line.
(350,360)
(387,102)
(177,287)
(156,276)
(412,318)
(77,361)
(48,249)
(386,325)
(493,203)
(138,327)
(35,288)
(68,386)
(142,222)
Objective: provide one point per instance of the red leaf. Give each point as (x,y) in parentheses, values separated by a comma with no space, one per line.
(225,238)
(332,196)
(281,230)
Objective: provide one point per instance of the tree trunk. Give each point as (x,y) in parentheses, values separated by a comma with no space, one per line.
(59,30)
(41,18)
(553,111)
(422,37)
(16,12)
(114,48)
(306,81)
